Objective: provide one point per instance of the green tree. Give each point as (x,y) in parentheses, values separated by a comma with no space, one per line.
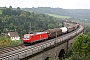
(10,7)
(81,46)
(51,26)
(18,8)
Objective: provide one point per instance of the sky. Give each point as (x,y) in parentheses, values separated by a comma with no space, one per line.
(65,4)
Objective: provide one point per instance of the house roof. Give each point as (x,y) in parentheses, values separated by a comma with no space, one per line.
(13,34)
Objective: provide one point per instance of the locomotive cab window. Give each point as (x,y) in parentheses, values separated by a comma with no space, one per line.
(26,36)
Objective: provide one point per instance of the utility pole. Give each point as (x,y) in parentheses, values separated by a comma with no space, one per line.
(30,27)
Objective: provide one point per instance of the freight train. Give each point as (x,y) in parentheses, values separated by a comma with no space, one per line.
(49,34)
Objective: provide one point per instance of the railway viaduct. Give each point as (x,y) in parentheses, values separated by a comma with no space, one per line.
(54,48)
(57,51)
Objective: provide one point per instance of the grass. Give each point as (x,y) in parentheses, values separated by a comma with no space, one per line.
(10,43)
(59,16)
(16,42)
(0,11)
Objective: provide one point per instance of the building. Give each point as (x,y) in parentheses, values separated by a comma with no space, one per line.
(14,35)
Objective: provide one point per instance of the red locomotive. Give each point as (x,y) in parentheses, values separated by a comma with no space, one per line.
(29,38)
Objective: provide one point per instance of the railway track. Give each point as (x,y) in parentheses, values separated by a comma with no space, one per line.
(19,52)
(10,49)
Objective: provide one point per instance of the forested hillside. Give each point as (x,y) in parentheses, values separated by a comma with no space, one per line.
(18,20)
(74,13)
(48,10)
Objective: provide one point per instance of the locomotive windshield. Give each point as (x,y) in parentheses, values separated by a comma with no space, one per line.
(26,36)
